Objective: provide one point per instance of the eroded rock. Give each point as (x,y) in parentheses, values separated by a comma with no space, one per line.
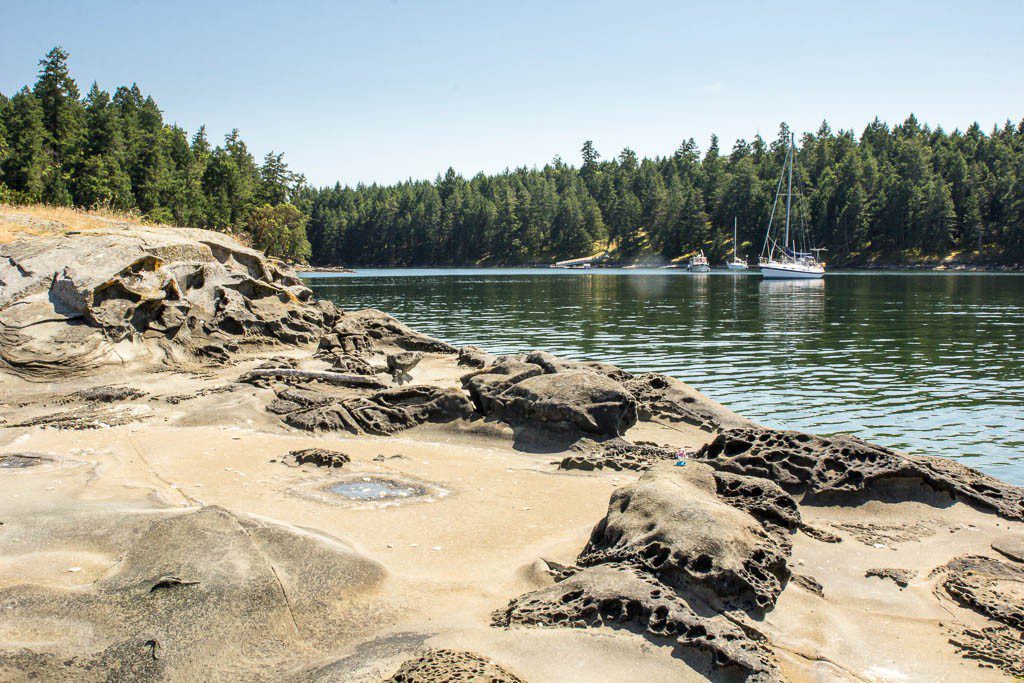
(901,577)
(661,398)
(434,666)
(624,596)
(994,589)
(381,413)
(107,394)
(400,364)
(674,524)
(73,303)
(987,586)
(846,468)
(362,331)
(321,457)
(473,357)
(574,400)
(486,384)
(615,454)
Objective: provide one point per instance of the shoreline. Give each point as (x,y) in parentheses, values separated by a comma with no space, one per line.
(916,268)
(259,485)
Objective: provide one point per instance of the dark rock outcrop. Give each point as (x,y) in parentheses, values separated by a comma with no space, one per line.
(321,457)
(809,584)
(845,468)
(69,300)
(381,413)
(454,666)
(107,394)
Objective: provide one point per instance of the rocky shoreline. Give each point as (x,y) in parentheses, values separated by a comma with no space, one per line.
(208,474)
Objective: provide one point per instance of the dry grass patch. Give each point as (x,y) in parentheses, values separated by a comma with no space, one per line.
(41,220)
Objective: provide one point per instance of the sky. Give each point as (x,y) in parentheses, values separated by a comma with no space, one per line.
(385,90)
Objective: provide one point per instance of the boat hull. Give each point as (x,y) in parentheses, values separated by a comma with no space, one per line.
(784,271)
(737,266)
(699,269)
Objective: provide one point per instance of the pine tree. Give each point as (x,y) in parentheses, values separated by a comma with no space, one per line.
(63,114)
(25,168)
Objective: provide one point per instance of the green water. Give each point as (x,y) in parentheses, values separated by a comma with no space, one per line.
(927,363)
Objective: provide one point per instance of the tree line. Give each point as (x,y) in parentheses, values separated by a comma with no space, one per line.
(116,152)
(891,194)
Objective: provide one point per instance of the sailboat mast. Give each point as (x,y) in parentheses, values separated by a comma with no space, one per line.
(789,190)
(734,238)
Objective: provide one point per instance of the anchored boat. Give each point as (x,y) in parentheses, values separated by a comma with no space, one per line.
(735,263)
(699,263)
(782,261)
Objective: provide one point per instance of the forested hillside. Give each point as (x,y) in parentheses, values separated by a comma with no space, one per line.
(888,194)
(116,152)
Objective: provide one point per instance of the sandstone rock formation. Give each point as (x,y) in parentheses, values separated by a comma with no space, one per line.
(845,468)
(399,365)
(195,595)
(675,525)
(452,666)
(382,413)
(615,454)
(573,400)
(901,577)
(321,457)
(994,589)
(684,553)
(72,303)
(665,399)
(623,596)
(1010,546)
(362,331)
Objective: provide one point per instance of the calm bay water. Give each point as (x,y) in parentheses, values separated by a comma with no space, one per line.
(927,363)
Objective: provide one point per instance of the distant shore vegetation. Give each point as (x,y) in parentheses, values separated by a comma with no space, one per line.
(892,194)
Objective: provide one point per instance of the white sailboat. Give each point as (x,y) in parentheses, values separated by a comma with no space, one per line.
(783,261)
(736,263)
(699,263)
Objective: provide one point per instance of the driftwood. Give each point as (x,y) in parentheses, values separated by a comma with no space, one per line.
(335,378)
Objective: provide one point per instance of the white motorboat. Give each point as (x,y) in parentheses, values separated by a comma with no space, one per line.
(699,263)
(735,263)
(782,261)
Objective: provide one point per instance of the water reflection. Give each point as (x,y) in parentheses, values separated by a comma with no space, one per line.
(928,363)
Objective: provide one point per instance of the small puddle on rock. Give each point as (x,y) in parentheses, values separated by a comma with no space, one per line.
(376,488)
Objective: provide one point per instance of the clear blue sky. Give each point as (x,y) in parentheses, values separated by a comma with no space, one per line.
(385,90)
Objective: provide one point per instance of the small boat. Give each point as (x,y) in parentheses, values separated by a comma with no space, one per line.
(783,261)
(574,264)
(735,263)
(699,263)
